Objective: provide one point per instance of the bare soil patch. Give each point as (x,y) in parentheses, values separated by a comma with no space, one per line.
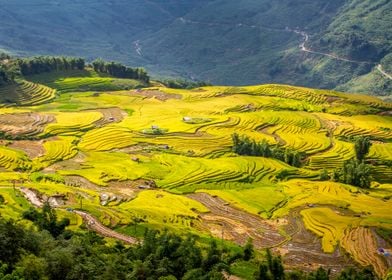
(304,250)
(24,124)
(32,149)
(152,93)
(235,224)
(110,115)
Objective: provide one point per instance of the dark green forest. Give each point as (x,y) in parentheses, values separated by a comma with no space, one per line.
(49,251)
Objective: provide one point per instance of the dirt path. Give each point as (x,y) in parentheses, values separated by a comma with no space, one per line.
(91,222)
(138,47)
(303,48)
(95,225)
(379,68)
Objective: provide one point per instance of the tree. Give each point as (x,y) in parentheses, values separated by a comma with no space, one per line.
(119,70)
(362,146)
(324,175)
(263,273)
(243,145)
(44,64)
(354,173)
(352,274)
(47,220)
(248,250)
(12,241)
(320,274)
(32,267)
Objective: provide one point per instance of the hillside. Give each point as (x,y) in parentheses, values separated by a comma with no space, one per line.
(224,42)
(262,162)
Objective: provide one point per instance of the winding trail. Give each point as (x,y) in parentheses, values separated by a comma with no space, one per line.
(379,68)
(95,225)
(302,46)
(92,223)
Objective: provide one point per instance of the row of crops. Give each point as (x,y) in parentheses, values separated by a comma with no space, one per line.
(135,136)
(26,93)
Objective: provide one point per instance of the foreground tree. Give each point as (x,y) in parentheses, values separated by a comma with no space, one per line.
(47,220)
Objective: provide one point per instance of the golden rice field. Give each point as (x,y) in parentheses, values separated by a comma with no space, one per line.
(138,159)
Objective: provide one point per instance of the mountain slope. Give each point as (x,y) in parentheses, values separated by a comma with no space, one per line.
(225,42)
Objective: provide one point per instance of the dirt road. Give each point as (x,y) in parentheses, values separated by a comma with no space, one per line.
(379,68)
(92,223)
(95,225)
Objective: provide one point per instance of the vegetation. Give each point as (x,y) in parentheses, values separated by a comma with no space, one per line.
(5,77)
(354,173)
(47,220)
(362,147)
(245,146)
(44,64)
(27,254)
(120,71)
(222,166)
(185,84)
(254,47)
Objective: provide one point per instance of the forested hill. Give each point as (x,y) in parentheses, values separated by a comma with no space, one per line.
(325,44)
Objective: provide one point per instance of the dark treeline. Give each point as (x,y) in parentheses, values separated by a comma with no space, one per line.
(6,74)
(119,70)
(5,77)
(184,84)
(243,145)
(44,64)
(35,255)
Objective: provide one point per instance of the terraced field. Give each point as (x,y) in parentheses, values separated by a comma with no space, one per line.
(163,158)
(83,80)
(24,93)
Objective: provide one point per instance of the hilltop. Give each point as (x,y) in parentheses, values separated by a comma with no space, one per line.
(224,42)
(280,164)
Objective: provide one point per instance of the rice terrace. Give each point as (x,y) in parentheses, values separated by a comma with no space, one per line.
(264,162)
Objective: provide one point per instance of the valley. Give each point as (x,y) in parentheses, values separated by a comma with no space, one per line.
(222,42)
